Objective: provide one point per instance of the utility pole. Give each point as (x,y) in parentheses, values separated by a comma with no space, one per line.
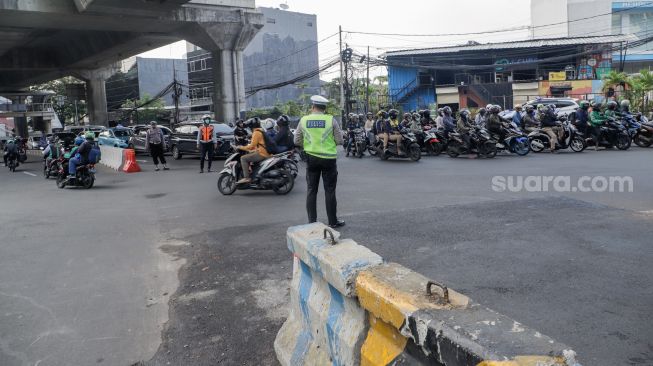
(342,87)
(347,87)
(175,95)
(367,83)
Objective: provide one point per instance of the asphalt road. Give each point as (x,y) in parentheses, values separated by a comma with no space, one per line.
(159,268)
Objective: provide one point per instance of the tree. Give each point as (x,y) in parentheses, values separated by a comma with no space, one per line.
(145,109)
(616,79)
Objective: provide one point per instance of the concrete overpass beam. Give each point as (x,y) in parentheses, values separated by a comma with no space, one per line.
(229,84)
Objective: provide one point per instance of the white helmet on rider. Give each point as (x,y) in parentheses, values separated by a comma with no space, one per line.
(268,124)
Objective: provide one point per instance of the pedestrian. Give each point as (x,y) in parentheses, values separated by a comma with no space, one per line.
(155,144)
(319,134)
(206,142)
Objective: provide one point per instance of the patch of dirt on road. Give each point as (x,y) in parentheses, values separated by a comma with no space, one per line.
(232,298)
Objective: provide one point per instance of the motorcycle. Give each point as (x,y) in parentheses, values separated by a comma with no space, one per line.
(84,176)
(539,140)
(613,134)
(409,142)
(430,142)
(632,126)
(52,167)
(515,142)
(359,143)
(644,135)
(481,144)
(274,173)
(12,163)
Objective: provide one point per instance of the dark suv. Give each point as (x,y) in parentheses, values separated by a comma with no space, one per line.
(137,141)
(183,140)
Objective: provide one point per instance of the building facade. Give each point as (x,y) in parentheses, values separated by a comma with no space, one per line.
(579,18)
(473,75)
(285,48)
(140,76)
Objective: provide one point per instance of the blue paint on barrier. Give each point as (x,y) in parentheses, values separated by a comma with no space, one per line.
(355,265)
(314,246)
(304,338)
(334,324)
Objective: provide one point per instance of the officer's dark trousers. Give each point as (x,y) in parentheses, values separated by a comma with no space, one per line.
(328,169)
(206,152)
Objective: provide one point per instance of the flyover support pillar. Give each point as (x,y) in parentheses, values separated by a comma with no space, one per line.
(96,92)
(229,84)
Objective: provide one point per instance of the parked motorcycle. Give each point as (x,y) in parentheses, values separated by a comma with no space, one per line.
(274,173)
(84,176)
(613,134)
(409,144)
(481,144)
(539,140)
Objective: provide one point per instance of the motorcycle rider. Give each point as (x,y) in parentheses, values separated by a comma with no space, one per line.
(438,120)
(529,122)
(268,126)
(10,151)
(611,110)
(581,117)
(405,122)
(284,138)
(517,118)
(379,124)
(256,149)
(464,126)
(391,131)
(369,126)
(550,126)
(352,124)
(81,155)
(625,107)
(206,142)
(415,125)
(51,152)
(426,119)
(481,118)
(448,121)
(240,133)
(597,119)
(495,123)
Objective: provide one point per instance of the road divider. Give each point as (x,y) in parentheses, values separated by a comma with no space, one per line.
(119,159)
(349,307)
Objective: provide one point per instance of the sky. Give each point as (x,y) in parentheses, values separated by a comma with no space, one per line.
(401,17)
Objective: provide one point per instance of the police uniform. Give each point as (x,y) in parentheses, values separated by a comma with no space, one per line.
(319,134)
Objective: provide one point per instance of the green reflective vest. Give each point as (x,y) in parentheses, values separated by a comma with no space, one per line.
(317,130)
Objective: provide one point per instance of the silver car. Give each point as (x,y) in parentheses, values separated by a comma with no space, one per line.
(564,106)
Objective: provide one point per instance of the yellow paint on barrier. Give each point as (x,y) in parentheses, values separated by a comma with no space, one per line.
(527,361)
(383,344)
(392,292)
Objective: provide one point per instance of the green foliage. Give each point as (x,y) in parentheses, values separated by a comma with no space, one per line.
(152,110)
(65,111)
(634,88)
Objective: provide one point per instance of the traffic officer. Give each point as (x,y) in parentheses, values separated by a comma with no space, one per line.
(319,134)
(206,142)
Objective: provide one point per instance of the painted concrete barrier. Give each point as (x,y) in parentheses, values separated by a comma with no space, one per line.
(348,307)
(325,325)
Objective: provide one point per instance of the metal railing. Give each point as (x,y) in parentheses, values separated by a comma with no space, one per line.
(32,107)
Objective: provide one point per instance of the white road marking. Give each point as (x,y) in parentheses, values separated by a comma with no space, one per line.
(30,174)
(142,161)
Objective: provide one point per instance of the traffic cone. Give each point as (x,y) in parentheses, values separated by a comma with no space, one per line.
(129,161)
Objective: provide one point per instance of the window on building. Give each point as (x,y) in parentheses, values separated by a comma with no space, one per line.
(310,24)
(191,66)
(271,21)
(203,64)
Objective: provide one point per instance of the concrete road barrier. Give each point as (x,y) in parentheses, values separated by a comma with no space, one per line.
(349,308)
(325,325)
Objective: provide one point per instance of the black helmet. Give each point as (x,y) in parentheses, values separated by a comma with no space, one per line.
(495,109)
(529,107)
(283,121)
(253,123)
(482,111)
(393,113)
(446,110)
(426,113)
(464,113)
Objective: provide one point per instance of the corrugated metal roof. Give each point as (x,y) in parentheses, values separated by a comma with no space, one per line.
(517,44)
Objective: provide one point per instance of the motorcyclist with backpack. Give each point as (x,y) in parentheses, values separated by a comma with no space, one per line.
(256,148)
(581,117)
(81,155)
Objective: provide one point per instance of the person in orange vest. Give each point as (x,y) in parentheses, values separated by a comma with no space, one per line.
(206,142)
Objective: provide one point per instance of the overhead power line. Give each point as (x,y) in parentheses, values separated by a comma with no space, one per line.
(291,54)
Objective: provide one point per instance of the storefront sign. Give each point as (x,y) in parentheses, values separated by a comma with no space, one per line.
(513,61)
(634,5)
(557,76)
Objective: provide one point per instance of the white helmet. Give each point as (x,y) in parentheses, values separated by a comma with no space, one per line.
(268,124)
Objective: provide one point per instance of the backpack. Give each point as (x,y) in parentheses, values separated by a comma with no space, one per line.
(270,145)
(94,155)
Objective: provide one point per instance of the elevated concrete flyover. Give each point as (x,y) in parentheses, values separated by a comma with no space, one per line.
(46,39)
